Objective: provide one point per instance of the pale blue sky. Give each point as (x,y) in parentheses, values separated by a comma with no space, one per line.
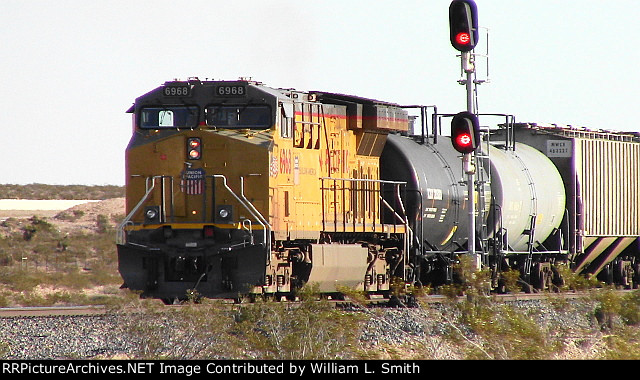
(70,68)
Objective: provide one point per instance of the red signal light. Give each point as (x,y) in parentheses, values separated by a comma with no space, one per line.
(463,38)
(464,140)
(465,132)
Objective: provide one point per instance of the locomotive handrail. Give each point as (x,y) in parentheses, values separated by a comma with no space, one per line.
(404,220)
(258,215)
(247,204)
(397,183)
(262,220)
(366,180)
(120,235)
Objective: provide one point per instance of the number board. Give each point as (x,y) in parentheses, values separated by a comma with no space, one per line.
(177,90)
(231,90)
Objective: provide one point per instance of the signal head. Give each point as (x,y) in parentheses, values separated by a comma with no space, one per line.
(465,132)
(463,24)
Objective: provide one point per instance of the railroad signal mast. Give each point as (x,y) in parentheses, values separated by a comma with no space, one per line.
(465,136)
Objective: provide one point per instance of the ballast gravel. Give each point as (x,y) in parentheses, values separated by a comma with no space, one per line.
(405,333)
(62,337)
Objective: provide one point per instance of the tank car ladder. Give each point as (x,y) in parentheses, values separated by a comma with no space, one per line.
(482,179)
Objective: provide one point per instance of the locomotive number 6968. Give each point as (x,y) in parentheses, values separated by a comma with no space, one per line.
(231,90)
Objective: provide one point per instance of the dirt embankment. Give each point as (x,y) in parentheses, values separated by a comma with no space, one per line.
(85,215)
(82,216)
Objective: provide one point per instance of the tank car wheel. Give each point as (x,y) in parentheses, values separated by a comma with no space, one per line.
(243,299)
(628,275)
(543,276)
(170,301)
(557,280)
(623,274)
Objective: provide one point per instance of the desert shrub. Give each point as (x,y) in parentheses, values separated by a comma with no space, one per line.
(102,224)
(311,329)
(630,308)
(575,281)
(265,329)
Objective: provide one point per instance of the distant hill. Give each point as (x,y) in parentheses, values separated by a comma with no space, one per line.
(42,191)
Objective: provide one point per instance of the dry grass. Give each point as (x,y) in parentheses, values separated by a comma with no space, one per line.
(66,258)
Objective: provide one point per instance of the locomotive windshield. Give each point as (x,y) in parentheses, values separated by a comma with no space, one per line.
(169,117)
(240,116)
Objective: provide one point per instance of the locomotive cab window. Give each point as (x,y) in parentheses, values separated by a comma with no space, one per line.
(241,116)
(169,117)
(286,117)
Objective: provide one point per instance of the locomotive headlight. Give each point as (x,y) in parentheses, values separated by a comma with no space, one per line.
(194,142)
(152,214)
(224,214)
(194,148)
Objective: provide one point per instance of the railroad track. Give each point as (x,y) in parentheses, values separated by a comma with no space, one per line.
(43,311)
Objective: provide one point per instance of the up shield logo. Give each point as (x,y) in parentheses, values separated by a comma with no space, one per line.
(193,181)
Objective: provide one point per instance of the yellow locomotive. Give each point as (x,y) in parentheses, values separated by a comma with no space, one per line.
(236,188)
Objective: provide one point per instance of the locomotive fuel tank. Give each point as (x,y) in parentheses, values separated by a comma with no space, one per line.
(528,196)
